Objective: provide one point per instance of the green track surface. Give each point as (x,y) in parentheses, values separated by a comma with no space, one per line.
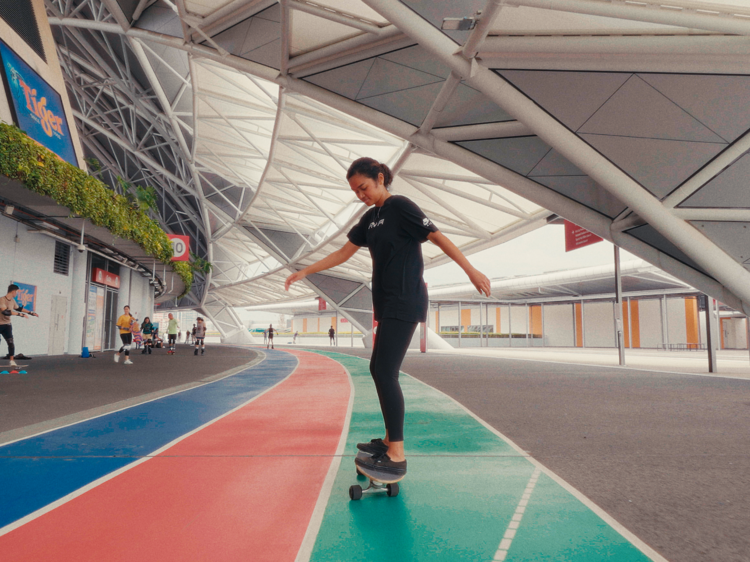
(459,496)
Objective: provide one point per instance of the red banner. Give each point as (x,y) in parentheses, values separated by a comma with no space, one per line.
(577,237)
(105,278)
(321,304)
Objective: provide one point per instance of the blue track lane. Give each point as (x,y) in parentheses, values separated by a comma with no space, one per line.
(37,471)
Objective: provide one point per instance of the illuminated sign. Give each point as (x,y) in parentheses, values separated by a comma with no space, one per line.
(26,296)
(105,278)
(38,107)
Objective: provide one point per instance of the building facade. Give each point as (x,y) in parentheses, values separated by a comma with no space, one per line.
(78,293)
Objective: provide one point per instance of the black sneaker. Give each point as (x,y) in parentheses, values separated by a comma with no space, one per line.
(382,463)
(195,352)
(203,351)
(374,447)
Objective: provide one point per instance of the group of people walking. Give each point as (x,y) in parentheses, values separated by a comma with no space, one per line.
(131,332)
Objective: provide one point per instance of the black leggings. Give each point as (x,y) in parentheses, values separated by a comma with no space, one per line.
(392,341)
(6,331)
(127,340)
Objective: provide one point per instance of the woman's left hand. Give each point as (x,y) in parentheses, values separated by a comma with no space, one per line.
(480,281)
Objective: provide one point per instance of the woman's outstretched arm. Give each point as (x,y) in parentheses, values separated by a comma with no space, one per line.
(336,258)
(477,278)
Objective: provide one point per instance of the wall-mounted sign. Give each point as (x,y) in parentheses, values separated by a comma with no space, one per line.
(577,237)
(37,106)
(180,247)
(26,296)
(105,278)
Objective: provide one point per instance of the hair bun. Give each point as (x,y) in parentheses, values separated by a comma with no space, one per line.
(370,168)
(387,175)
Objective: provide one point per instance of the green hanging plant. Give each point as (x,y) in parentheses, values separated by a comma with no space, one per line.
(41,171)
(201,265)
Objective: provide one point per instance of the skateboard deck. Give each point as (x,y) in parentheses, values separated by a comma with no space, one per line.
(379,481)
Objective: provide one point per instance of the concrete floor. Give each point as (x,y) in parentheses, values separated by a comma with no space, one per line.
(731,363)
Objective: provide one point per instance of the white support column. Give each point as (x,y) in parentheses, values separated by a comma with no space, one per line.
(710,335)
(583,325)
(77,319)
(618,308)
(481,326)
(510,326)
(665,323)
(528,327)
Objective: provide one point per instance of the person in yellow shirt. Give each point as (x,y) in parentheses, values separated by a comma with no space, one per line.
(124,322)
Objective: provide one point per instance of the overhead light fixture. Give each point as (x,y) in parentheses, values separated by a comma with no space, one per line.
(460,24)
(46,225)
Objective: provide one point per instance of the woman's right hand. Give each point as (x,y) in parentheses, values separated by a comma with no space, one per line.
(294,277)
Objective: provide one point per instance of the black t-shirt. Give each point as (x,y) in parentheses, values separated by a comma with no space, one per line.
(270,333)
(394,234)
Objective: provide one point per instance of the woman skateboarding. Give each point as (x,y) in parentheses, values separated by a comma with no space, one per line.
(393,231)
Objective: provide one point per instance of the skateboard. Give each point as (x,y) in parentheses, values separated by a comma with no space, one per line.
(17,370)
(379,481)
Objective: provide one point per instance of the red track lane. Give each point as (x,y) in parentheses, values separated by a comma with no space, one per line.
(243,489)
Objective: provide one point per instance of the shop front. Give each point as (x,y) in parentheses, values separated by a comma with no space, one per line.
(103,286)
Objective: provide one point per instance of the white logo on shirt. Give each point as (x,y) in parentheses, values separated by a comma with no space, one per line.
(426,221)
(373,224)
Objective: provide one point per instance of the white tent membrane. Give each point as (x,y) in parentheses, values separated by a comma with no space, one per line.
(629,119)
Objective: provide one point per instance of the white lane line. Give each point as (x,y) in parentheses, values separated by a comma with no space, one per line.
(316,520)
(515,522)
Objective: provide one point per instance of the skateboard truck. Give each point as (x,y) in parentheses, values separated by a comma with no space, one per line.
(356,492)
(376,482)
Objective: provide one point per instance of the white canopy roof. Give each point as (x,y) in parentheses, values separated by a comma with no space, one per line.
(629,119)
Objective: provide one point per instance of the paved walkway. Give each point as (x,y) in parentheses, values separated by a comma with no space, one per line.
(731,363)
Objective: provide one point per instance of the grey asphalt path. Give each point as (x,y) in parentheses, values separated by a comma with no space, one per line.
(64,389)
(666,455)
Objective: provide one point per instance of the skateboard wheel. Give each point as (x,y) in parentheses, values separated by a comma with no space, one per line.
(355,492)
(392,490)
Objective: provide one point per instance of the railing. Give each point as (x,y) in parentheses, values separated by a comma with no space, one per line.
(686,347)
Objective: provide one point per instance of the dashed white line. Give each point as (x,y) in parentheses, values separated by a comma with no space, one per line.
(515,522)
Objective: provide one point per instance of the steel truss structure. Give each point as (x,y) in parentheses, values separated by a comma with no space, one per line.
(630,119)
